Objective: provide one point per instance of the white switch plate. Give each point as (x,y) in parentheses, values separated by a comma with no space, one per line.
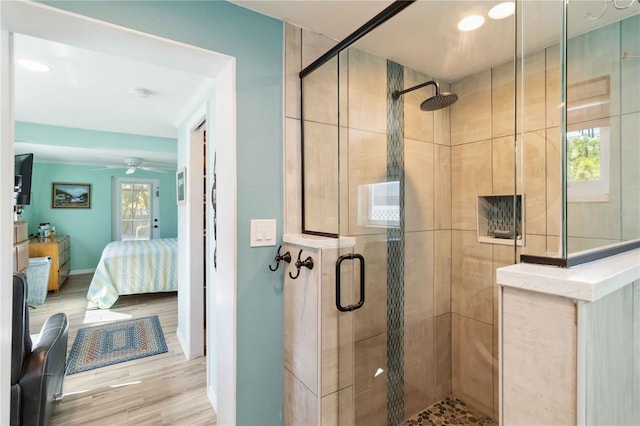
(263,232)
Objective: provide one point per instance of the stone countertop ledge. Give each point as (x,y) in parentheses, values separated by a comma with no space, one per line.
(587,282)
(317,242)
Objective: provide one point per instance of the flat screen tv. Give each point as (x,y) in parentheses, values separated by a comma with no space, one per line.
(22,187)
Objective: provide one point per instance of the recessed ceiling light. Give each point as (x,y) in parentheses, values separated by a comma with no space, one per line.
(502,10)
(33,65)
(470,23)
(140,92)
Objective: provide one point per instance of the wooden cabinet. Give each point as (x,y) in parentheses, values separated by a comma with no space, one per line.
(58,248)
(20,247)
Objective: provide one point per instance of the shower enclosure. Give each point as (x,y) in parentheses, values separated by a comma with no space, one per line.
(427,202)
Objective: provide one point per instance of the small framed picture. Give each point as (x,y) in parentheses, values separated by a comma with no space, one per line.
(71,196)
(181,186)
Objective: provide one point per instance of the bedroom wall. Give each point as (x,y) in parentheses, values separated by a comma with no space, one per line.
(256,43)
(89,229)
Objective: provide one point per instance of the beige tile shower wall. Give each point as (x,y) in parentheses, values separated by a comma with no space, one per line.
(300,323)
(292,160)
(427,265)
(336,328)
(367,164)
(367,99)
(419,185)
(418,124)
(322,102)
(471,115)
(428,219)
(472,362)
(482,155)
(370,389)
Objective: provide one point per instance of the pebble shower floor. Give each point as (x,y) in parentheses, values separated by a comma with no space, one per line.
(450,411)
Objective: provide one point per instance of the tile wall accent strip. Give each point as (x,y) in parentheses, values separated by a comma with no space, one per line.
(395,250)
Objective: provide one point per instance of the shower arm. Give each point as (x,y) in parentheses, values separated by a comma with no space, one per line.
(398,93)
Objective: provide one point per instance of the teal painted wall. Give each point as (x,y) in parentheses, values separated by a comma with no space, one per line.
(89,229)
(256,43)
(44,134)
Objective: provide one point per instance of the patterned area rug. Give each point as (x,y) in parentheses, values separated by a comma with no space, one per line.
(116,342)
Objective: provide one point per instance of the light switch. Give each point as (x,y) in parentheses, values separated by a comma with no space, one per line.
(263,232)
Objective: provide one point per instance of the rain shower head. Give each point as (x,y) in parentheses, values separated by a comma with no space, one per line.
(437,101)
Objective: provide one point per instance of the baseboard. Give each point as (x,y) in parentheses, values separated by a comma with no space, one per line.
(213,398)
(82,271)
(183,344)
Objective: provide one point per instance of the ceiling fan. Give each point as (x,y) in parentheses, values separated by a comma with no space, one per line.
(132,164)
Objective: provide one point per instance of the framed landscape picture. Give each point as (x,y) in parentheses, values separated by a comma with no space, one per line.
(71,196)
(181,188)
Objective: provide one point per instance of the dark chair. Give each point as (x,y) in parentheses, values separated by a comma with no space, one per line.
(37,371)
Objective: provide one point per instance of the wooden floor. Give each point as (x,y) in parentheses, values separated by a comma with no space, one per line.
(164,389)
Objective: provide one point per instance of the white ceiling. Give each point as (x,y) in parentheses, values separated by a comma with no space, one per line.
(425,37)
(90,90)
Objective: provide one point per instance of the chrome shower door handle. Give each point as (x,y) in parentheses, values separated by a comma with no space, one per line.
(358,305)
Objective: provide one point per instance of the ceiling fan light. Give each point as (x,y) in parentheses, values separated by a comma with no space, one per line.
(130,170)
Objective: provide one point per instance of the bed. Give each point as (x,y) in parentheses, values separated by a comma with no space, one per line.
(131,267)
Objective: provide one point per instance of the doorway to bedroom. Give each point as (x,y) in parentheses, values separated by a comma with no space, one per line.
(223,68)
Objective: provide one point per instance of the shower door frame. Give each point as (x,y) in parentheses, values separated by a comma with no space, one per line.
(392,10)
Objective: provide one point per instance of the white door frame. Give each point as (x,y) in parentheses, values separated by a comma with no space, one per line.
(46,22)
(116,212)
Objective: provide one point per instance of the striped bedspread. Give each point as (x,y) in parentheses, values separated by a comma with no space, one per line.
(129,267)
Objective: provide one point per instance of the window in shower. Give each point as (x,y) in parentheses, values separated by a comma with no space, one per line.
(379,204)
(588,164)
